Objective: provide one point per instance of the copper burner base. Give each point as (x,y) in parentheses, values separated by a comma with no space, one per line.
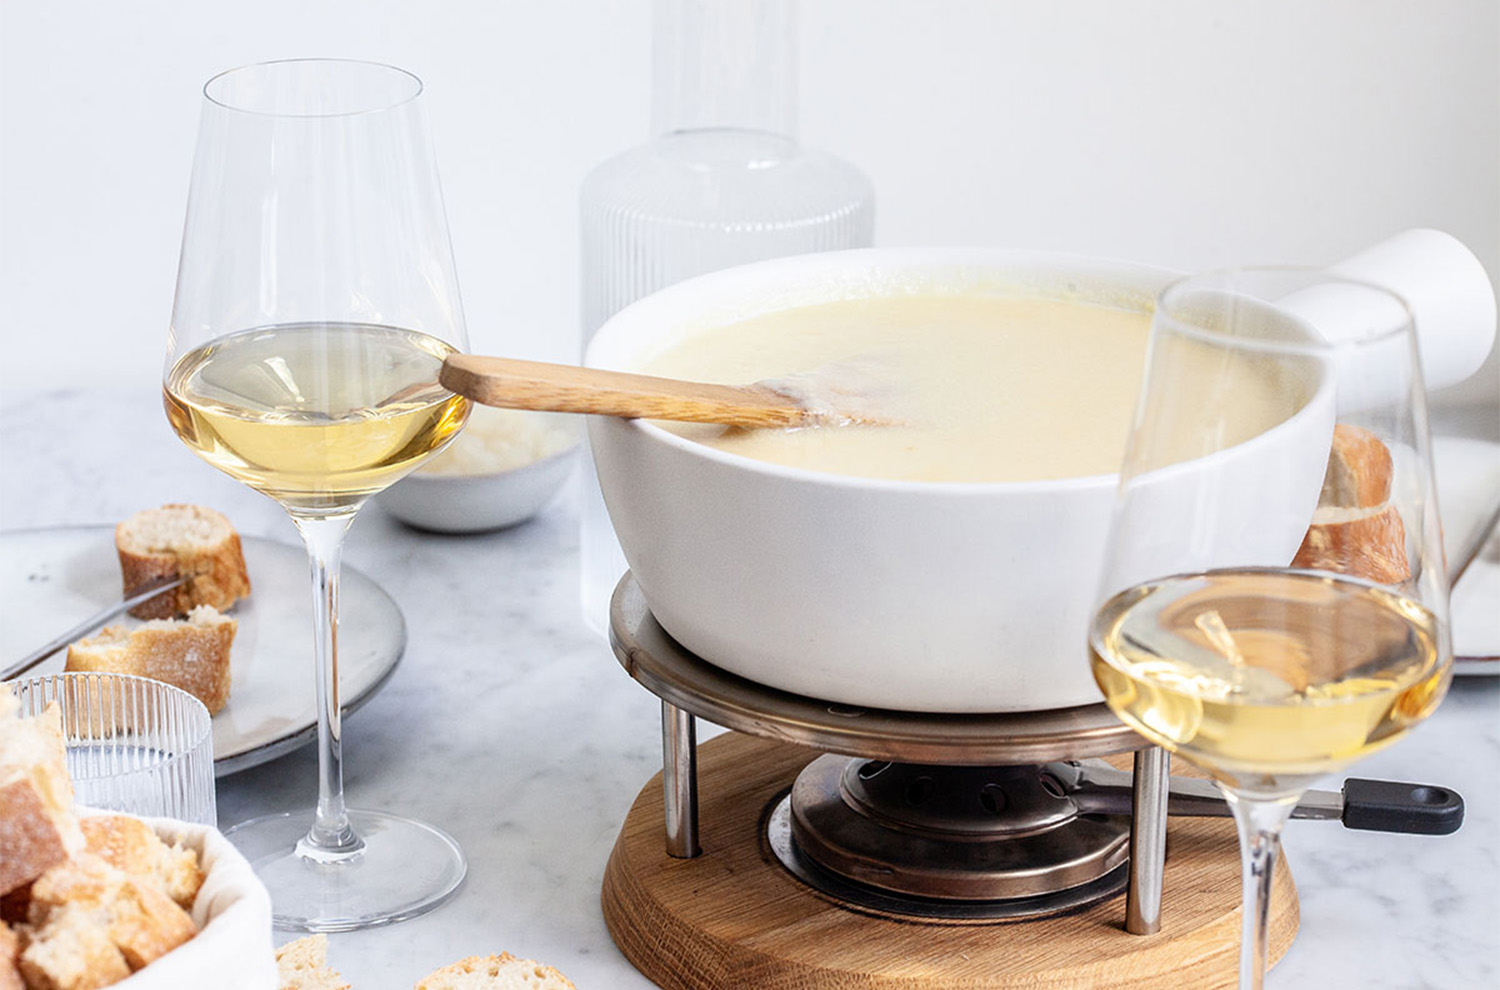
(948,842)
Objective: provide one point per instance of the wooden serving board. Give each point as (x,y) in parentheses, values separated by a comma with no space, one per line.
(734,919)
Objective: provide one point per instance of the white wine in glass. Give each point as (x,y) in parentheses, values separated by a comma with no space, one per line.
(259,405)
(1274,603)
(316,300)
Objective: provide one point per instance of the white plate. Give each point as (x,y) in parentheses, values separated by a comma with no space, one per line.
(51,579)
(1476,614)
(1468,484)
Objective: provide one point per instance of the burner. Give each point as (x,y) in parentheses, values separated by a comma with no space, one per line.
(945,842)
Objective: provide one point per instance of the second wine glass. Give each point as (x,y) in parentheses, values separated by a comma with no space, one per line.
(316,299)
(1274,601)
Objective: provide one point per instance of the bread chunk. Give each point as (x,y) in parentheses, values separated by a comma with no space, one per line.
(72,952)
(191,653)
(1359,470)
(129,845)
(303,965)
(1355,531)
(38,828)
(502,972)
(82,922)
(28,836)
(73,903)
(10,951)
(159,544)
(1363,544)
(145,924)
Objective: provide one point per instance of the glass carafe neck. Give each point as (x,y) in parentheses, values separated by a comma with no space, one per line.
(724,64)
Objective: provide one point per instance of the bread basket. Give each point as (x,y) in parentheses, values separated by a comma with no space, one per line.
(233,948)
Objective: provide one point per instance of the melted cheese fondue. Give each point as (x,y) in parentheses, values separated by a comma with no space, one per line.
(986,388)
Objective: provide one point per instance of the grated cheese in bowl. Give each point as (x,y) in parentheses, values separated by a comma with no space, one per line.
(496,440)
(504,467)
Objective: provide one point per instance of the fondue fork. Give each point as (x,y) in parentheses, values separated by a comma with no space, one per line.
(89,625)
(544,387)
(1368,805)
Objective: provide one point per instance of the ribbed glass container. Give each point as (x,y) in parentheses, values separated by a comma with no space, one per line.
(696,201)
(724,182)
(132,745)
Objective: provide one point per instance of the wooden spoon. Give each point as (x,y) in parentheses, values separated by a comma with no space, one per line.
(537,385)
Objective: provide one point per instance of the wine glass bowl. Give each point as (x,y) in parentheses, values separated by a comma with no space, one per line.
(316,299)
(243,403)
(1274,622)
(1268,678)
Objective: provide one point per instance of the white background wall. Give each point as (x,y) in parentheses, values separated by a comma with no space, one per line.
(1188,133)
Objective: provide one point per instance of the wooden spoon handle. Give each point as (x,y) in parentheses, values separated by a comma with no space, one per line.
(514,384)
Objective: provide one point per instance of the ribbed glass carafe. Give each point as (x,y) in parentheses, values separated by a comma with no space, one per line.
(697,201)
(724,182)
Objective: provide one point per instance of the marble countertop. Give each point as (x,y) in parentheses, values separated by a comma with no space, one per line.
(510,724)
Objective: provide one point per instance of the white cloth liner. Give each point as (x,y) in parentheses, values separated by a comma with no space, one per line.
(233,948)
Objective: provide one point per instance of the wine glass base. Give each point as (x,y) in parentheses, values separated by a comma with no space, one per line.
(405,869)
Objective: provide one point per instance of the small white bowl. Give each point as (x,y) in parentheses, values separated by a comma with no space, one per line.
(475,503)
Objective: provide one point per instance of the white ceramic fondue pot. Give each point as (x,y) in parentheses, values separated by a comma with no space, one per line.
(915,596)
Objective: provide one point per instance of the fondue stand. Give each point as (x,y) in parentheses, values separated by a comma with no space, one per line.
(898,863)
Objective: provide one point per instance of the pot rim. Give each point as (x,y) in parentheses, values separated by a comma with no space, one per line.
(604,349)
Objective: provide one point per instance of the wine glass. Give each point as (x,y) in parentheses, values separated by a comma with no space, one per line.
(316,300)
(1274,604)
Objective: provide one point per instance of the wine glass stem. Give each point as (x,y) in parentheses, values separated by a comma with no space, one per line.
(1259,821)
(331,838)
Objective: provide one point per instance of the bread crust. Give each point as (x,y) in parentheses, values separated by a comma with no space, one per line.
(37,826)
(1359,470)
(476,972)
(1355,531)
(28,835)
(193,655)
(1370,545)
(159,544)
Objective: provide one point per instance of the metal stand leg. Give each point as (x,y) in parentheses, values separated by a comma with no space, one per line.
(1148,841)
(679,777)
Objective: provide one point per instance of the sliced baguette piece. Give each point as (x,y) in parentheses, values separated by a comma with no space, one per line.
(502,972)
(38,828)
(191,653)
(159,544)
(303,965)
(1362,543)
(1354,530)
